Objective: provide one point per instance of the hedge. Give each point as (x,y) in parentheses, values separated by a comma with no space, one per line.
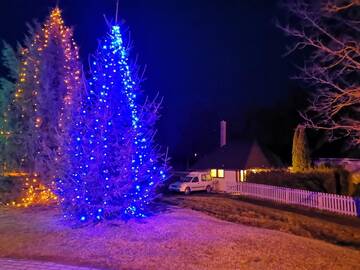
(329,180)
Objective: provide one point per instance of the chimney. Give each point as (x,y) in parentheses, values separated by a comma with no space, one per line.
(222,133)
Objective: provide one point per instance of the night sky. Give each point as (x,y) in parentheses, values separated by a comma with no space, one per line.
(211,60)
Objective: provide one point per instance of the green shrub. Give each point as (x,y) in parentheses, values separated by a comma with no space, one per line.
(356,190)
(300,150)
(354,184)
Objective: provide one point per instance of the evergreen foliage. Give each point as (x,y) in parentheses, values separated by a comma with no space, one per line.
(48,82)
(115,164)
(300,152)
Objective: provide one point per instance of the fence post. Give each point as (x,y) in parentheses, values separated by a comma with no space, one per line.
(320,201)
(287,197)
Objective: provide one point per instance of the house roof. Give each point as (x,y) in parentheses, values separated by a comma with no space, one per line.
(240,155)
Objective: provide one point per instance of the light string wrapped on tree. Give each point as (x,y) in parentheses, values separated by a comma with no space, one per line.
(10,63)
(116,166)
(49,82)
(33,193)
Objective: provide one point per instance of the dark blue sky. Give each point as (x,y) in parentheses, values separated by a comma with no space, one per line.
(210,59)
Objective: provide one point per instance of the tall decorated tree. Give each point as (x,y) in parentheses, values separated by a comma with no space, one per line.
(11,152)
(49,81)
(21,109)
(47,89)
(115,164)
(10,62)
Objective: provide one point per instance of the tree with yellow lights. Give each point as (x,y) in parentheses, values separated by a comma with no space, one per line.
(47,91)
(10,64)
(15,115)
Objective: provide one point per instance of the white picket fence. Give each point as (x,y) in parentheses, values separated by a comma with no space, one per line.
(330,202)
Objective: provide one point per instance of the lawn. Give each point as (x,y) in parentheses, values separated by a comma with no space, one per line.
(336,229)
(177,238)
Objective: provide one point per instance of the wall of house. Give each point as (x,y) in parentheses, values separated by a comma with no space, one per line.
(221,183)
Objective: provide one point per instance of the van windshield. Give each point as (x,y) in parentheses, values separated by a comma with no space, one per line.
(186,179)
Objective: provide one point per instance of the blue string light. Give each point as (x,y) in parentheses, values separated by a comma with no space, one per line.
(115,167)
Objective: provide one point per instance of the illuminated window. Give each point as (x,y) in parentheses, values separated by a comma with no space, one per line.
(217,173)
(241,175)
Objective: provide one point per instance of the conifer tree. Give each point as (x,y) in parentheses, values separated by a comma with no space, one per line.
(115,164)
(300,152)
(10,62)
(48,85)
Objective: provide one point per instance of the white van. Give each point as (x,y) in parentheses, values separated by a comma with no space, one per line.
(194,181)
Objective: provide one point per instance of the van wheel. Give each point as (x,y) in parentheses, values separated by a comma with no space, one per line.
(208,189)
(187,191)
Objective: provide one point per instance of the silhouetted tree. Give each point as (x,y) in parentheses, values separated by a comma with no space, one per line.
(328,32)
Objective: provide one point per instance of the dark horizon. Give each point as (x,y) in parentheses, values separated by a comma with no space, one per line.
(210,60)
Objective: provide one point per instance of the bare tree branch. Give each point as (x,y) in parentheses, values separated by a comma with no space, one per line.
(329,33)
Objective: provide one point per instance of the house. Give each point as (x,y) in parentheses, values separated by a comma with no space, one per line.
(230,163)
